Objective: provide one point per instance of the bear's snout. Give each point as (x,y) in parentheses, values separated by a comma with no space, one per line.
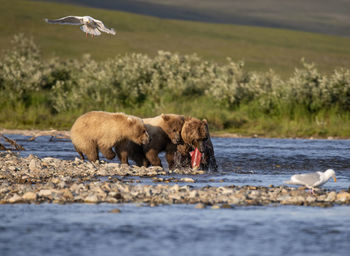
(176,139)
(201,147)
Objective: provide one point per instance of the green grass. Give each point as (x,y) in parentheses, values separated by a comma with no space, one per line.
(260,48)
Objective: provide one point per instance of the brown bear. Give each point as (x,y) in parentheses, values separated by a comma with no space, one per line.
(194,134)
(98,130)
(164,130)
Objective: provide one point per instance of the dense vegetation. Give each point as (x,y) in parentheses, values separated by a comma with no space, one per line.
(51,92)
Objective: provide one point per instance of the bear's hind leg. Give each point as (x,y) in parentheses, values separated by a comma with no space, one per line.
(170,159)
(123,156)
(141,161)
(152,156)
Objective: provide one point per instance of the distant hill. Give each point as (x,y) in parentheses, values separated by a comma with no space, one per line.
(260,48)
(320,16)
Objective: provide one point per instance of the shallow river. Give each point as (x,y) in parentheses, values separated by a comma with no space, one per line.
(82,229)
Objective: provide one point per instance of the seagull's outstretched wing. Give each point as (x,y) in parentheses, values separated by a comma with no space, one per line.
(68,20)
(103,28)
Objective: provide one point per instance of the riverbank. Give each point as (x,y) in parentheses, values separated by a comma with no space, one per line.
(64,134)
(52,180)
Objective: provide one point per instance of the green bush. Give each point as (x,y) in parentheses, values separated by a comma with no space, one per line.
(144,85)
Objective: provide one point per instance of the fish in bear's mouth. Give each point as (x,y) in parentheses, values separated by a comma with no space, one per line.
(196,157)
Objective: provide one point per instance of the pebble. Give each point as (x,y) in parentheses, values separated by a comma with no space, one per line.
(343,197)
(45,193)
(29,196)
(188,180)
(331,196)
(33,165)
(199,206)
(15,199)
(91,199)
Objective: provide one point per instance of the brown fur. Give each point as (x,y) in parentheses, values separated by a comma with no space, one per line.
(129,150)
(98,130)
(195,134)
(164,130)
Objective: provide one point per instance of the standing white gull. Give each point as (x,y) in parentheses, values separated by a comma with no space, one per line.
(312,180)
(89,24)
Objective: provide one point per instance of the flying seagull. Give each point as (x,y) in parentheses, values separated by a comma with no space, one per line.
(89,24)
(312,180)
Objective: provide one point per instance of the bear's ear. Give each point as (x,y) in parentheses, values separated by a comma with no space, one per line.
(205,121)
(165,117)
(188,118)
(131,120)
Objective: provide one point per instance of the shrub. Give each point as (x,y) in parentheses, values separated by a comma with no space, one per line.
(137,81)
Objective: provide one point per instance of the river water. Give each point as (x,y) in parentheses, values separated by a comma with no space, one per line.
(83,229)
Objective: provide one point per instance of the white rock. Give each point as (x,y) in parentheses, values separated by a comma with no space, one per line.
(193,194)
(45,192)
(174,188)
(225,190)
(331,196)
(92,199)
(343,196)
(310,199)
(189,180)
(113,165)
(15,199)
(29,196)
(33,165)
(102,172)
(234,200)
(48,159)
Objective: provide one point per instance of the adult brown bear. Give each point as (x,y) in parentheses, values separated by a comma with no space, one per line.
(164,131)
(195,134)
(99,130)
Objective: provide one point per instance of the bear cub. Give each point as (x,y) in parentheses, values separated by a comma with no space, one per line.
(164,131)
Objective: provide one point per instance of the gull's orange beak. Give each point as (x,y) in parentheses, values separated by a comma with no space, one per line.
(335,179)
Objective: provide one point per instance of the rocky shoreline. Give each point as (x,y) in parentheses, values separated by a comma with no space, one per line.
(52,180)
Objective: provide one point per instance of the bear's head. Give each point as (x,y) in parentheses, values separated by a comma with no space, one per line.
(172,126)
(195,132)
(137,130)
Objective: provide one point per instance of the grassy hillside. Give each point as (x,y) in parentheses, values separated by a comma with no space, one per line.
(260,48)
(318,16)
